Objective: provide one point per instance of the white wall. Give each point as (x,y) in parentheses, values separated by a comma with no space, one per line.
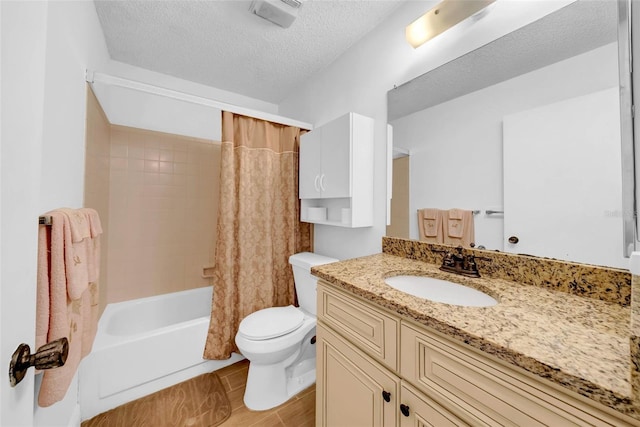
(469,158)
(74,43)
(358,81)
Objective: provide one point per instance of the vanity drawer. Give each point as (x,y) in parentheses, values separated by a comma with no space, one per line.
(371,329)
(488,394)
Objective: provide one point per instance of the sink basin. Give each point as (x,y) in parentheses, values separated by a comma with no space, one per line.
(438,290)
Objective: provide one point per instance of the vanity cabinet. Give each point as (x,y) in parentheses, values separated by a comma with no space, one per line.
(352,389)
(432,380)
(336,172)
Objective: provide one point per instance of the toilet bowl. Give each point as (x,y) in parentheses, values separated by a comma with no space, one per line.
(279,342)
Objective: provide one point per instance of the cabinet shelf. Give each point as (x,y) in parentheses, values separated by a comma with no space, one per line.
(327,222)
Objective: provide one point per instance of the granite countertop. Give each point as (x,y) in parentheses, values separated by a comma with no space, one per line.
(579,343)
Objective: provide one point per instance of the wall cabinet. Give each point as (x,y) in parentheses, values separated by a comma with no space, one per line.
(377,369)
(336,172)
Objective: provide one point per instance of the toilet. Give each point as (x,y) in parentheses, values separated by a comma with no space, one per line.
(279,342)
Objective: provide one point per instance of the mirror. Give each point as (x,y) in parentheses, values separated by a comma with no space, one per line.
(525,132)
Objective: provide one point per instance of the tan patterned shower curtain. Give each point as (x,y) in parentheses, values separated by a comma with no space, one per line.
(258,225)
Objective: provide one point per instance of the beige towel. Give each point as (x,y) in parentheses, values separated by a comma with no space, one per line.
(91,305)
(93,246)
(57,314)
(79,252)
(459,226)
(430,222)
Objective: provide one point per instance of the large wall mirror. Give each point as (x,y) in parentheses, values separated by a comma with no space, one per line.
(526,132)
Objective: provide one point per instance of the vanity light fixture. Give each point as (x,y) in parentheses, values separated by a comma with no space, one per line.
(442,17)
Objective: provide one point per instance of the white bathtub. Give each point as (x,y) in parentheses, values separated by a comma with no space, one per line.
(145,345)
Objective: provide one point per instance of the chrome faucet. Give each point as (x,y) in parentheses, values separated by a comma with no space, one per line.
(461,263)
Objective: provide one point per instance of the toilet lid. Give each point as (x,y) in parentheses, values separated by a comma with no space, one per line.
(271,322)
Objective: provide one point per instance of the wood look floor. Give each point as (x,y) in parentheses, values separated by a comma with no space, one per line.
(299,411)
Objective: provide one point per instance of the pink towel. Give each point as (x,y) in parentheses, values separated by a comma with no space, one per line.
(455,225)
(79,252)
(93,244)
(78,224)
(430,225)
(459,227)
(58,314)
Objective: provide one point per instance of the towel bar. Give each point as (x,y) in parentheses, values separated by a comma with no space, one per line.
(45,220)
(491,212)
(475,212)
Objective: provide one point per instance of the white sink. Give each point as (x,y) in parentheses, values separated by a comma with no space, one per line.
(440,291)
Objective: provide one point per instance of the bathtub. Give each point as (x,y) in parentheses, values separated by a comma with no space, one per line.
(145,345)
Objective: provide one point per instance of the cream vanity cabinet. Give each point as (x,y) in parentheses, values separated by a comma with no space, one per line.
(336,172)
(375,369)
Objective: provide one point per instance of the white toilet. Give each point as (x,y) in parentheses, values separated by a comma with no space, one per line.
(279,342)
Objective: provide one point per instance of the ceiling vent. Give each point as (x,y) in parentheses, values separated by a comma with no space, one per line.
(280,12)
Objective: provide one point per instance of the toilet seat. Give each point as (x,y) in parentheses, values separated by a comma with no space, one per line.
(271,323)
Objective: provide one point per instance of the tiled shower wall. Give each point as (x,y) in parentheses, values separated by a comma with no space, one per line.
(96,185)
(162,212)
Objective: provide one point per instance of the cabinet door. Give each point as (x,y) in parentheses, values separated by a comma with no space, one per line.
(419,410)
(335,179)
(351,389)
(310,164)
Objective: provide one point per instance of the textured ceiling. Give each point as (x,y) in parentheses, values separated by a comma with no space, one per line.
(221,44)
(577,28)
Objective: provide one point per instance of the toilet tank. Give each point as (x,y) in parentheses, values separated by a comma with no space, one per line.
(306,283)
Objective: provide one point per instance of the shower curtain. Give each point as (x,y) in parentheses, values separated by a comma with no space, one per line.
(258,225)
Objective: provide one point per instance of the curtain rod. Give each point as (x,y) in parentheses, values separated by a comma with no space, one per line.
(96,77)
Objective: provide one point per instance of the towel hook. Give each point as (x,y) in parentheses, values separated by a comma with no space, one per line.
(50,355)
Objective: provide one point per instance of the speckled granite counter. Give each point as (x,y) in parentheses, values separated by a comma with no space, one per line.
(577,342)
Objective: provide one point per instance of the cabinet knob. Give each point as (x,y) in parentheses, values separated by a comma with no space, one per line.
(513,240)
(386,396)
(404,409)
